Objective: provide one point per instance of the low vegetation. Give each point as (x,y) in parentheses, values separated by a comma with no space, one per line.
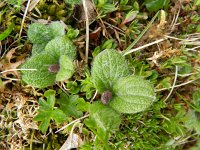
(100,74)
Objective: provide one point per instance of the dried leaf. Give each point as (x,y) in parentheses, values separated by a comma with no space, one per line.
(73,141)
(6,64)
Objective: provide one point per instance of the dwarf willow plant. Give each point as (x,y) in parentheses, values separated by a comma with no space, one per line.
(52,55)
(121,91)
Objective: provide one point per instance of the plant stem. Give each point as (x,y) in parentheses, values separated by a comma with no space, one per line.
(31,142)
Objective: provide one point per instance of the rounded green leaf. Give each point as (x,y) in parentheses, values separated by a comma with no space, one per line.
(61,46)
(132,94)
(66,68)
(108,67)
(40,77)
(56,29)
(105,117)
(39,33)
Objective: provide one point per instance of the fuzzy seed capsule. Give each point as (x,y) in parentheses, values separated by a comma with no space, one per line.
(106,97)
(54,68)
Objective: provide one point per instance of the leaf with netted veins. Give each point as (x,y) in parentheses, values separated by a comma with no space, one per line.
(61,46)
(36,72)
(132,94)
(103,120)
(108,67)
(39,33)
(56,29)
(105,117)
(51,64)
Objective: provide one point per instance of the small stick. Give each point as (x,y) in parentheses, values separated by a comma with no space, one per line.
(87,30)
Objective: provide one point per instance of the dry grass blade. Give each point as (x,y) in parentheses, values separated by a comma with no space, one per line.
(174,83)
(24,16)
(179,85)
(16,70)
(144,46)
(72,123)
(175,19)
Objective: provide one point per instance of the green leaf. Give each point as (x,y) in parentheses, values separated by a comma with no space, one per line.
(107,68)
(193,122)
(55,53)
(73,87)
(103,120)
(105,117)
(56,29)
(109,44)
(38,48)
(123,2)
(82,105)
(130,16)
(47,112)
(68,104)
(50,95)
(155,5)
(197,2)
(7,32)
(132,94)
(166,82)
(61,46)
(72,33)
(66,68)
(58,115)
(108,8)
(16,3)
(40,77)
(39,33)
